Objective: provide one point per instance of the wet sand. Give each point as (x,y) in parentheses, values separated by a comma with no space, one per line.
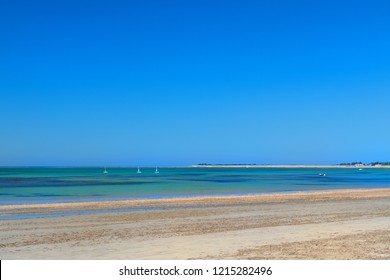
(345,224)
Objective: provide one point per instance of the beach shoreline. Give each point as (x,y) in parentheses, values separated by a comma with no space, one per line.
(343,224)
(208,200)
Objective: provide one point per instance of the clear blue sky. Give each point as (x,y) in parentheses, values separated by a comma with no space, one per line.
(183,82)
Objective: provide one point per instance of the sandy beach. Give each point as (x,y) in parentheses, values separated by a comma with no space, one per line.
(343,224)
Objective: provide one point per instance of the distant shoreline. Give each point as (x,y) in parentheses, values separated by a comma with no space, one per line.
(286,166)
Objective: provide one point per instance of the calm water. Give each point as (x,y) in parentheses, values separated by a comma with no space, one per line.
(47,185)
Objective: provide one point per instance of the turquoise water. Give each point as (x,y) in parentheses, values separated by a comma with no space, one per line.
(49,185)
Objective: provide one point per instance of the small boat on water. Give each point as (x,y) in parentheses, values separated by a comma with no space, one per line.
(360,169)
(105,171)
(139,171)
(322,174)
(156,172)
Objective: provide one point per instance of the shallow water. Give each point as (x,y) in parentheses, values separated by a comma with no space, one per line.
(51,185)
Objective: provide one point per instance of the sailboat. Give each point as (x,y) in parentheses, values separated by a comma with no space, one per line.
(105,171)
(156,172)
(139,171)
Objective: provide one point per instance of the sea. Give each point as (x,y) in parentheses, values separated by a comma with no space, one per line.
(36,185)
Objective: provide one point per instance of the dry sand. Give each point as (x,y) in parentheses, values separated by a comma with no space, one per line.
(349,224)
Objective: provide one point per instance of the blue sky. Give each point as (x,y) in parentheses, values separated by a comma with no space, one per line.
(183,82)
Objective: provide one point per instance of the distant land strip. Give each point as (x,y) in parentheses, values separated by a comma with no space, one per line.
(340,165)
